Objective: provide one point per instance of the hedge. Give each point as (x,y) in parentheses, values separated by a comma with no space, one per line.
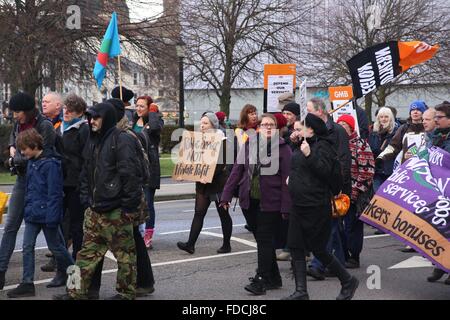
(5,130)
(166,142)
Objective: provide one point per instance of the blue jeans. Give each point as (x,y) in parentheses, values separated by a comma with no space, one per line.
(354,234)
(334,243)
(150,197)
(56,245)
(13,221)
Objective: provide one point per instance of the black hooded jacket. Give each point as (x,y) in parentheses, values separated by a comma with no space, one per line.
(110,178)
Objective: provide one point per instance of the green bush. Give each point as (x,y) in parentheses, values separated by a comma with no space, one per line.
(5,130)
(166,143)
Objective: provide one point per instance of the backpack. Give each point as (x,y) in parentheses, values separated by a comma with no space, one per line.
(336,181)
(141,151)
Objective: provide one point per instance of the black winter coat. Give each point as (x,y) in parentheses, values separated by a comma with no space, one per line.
(74,140)
(45,128)
(151,136)
(308,180)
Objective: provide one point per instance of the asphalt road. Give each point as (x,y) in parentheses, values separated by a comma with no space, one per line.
(209,276)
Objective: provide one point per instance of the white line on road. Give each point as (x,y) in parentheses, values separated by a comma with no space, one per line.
(188,230)
(243,241)
(377,236)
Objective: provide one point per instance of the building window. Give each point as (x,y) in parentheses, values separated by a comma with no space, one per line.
(146,79)
(135,78)
(161,92)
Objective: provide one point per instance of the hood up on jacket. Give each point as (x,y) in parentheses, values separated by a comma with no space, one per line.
(104,110)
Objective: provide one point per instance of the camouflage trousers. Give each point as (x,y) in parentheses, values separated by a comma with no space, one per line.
(102,232)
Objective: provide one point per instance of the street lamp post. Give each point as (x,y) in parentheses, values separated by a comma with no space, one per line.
(180,54)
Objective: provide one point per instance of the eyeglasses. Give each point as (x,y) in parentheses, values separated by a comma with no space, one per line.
(439,117)
(268,125)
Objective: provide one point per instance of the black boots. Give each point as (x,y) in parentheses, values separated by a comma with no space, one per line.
(436,275)
(257,285)
(301,292)
(186,247)
(348,282)
(59,280)
(2,279)
(225,248)
(23,290)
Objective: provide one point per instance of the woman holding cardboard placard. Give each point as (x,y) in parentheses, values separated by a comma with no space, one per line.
(208,192)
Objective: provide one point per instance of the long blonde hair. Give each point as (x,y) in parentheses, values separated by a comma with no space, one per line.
(386,112)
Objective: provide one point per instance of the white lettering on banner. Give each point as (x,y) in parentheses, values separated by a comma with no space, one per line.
(385,67)
(421,47)
(366,78)
(341,94)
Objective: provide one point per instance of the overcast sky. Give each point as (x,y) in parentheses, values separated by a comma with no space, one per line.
(141,9)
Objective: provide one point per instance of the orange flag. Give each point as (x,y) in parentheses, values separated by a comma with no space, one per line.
(415,52)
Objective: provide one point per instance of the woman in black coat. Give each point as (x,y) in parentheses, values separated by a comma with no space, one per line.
(310,218)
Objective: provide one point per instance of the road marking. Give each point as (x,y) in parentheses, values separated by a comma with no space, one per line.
(153,265)
(38,248)
(171,201)
(243,241)
(377,236)
(413,262)
(188,230)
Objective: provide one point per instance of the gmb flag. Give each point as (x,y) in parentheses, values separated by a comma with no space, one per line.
(413,205)
(380,64)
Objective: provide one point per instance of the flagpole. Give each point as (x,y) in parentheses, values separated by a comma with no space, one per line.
(120,77)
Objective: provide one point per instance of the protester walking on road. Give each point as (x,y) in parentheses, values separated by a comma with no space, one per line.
(111,187)
(148,123)
(310,218)
(205,193)
(43,211)
(261,170)
(362,172)
(26,116)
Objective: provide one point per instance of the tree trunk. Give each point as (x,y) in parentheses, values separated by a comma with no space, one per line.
(368,100)
(225,100)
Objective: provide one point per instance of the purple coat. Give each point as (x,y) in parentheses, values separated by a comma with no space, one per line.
(274,191)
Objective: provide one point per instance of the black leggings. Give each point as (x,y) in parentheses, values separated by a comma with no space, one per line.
(202,202)
(321,254)
(144,272)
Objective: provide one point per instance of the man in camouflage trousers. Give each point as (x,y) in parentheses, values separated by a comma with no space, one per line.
(112,189)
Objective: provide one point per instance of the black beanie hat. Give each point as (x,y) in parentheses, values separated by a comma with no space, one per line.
(127,94)
(317,124)
(22,102)
(292,107)
(119,107)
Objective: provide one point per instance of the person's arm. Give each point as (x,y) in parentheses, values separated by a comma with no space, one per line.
(345,158)
(395,145)
(154,124)
(128,172)
(285,168)
(54,194)
(320,162)
(84,186)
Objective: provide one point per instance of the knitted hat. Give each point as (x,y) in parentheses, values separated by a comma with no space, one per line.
(221,116)
(212,118)
(127,94)
(21,102)
(119,107)
(284,99)
(292,107)
(348,119)
(317,124)
(418,105)
(281,120)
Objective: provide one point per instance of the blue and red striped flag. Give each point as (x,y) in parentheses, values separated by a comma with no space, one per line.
(110,48)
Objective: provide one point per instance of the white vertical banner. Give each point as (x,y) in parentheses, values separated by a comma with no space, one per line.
(277,85)
(303,99)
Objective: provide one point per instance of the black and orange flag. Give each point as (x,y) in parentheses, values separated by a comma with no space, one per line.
(380,64)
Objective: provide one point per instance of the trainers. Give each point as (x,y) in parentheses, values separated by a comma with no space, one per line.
(224,249)
(186,247)
(142,292)
(315,273)
(148,235)
(22,290)
(257,286)
(284,256)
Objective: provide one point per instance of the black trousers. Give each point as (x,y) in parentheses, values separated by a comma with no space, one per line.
(74,216)
(267,224)
(202,203)
(251,213)
(144,277)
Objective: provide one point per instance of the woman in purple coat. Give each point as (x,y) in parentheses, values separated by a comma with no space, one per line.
(260,171)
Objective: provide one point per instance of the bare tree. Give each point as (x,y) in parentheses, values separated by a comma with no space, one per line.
(350,26)
(37,47)
(228,41)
